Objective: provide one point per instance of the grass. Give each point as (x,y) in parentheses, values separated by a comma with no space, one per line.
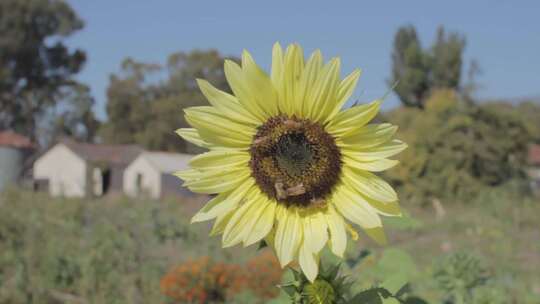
(500,226)
(116,250)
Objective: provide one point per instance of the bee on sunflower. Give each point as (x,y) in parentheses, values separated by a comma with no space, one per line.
(289,164)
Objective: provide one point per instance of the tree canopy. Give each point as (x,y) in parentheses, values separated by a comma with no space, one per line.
(144,100)
(456,148)
(36,67)
(418,71)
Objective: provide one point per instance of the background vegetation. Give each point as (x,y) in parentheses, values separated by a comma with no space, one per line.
(118,250)
(470,235)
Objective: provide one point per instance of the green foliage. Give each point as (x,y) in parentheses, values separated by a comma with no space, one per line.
(329,287)
(319,292)
(528,112)
(409,67)
(76,118)
(490,294)
(52,250)
(145,111)
(458,274)
(417,72)
(455,149)
(393,271)
(395,268)
(404,222)
(386,276)
(446,60)
(36,67)
(245,297)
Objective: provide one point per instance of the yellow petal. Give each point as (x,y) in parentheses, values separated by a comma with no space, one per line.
(386,209)
(345,90)
(221,222)
(352,119)
(316,231)
(192,135)
(338,235)
(223,202)
(237,81)
(219,130)
(352,232)
(260,86)
(324,92)
(307,82)
(377,234)
(220,159)
(354,208)
(369,185)
(385,150)
(367,137)
(239,224)
(218,181)
(277,66)
(227,104)
(292,70)
(309,262)
(188,174)
(288,236)
(262,224)
(372,166)
(382,208)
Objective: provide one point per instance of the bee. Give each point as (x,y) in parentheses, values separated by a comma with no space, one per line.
(318,202)
(296,190)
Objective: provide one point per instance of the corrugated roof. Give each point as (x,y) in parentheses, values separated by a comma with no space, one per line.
(534,155)
(112,154)
(12,139)
(167,162)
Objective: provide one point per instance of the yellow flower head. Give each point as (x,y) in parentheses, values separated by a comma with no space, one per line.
(287,162)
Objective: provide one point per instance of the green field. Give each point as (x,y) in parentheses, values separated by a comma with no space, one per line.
(116,250)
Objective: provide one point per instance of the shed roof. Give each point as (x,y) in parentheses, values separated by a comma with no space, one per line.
(12,139)
(534,155)
(166,162)
(113,154)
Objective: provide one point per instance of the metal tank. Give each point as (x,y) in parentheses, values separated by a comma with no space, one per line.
(11,165)
(14,148)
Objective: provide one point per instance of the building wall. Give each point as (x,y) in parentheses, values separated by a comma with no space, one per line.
(534,172)
(172,185)
(150,179)
(65,171)
(534,179)
(117,177)
(11,163)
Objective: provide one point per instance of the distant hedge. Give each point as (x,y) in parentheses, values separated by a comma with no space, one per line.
(456,148)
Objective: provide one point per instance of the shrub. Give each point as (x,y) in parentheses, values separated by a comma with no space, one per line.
(458,275)
(457,148)
(202,281)
(264,273)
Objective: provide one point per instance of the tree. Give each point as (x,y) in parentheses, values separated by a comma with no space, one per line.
(418,72)
(456,148)
(127,97)
(145,101)
(36,67)
(74,116)
(409,68)
(446,60)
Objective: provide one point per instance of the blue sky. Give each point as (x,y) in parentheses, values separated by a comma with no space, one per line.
(504,36)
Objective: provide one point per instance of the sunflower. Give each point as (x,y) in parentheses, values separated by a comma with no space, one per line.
(287,162)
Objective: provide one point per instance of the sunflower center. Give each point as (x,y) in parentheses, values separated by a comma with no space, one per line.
(294,154)
(295,161)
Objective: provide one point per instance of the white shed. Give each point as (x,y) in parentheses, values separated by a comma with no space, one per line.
(75,169)
(151,174)
(63,170)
